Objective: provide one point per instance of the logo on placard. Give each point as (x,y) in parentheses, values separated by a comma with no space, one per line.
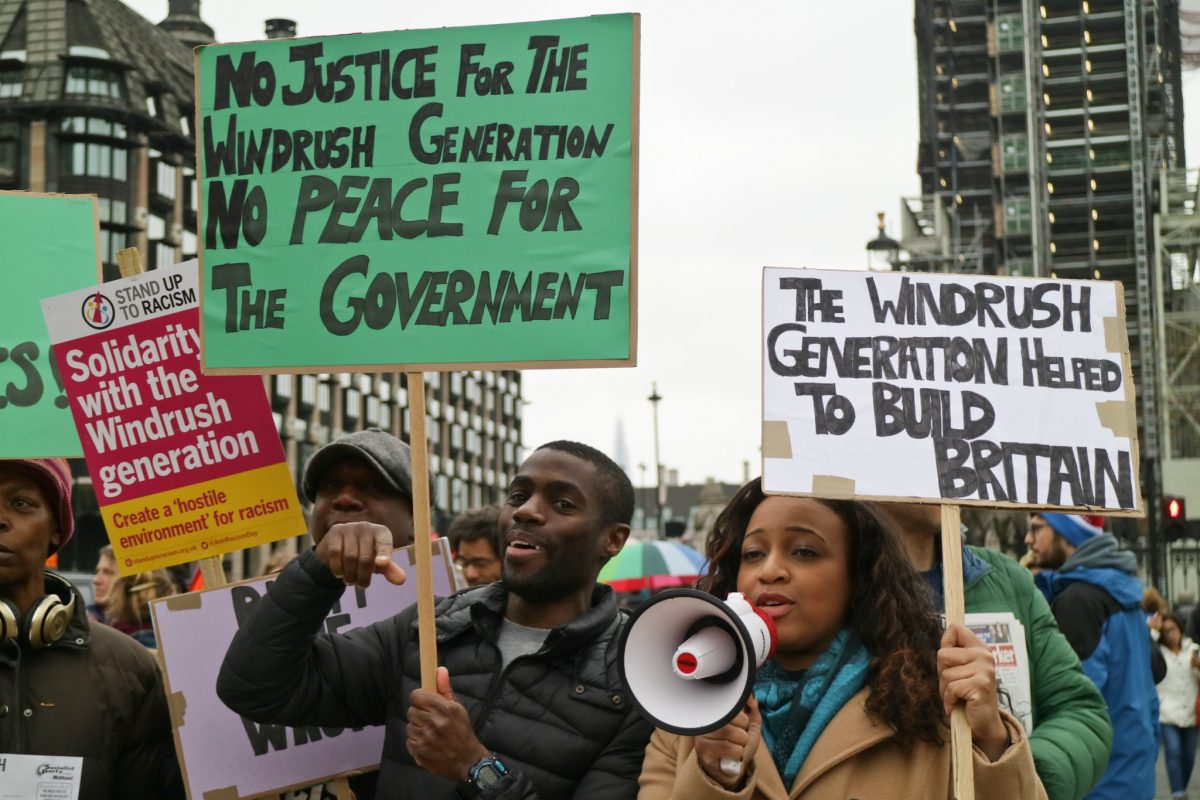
(98,311)
(55,771)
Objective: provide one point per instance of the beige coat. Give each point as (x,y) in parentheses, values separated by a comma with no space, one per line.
(854,758)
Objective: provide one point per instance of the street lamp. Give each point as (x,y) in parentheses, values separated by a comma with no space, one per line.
(883,252)
(658,470)
(645,505)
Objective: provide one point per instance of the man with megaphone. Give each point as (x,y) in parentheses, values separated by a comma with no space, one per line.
(854,701)
(529,701)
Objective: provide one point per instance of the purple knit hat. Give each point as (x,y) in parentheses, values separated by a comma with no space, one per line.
(53,475)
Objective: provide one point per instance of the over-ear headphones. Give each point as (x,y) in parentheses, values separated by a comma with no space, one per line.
(41,626)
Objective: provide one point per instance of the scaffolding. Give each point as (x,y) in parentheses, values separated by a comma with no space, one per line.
(1176,262)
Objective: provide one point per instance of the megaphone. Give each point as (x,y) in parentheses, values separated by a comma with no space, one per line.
(688,658)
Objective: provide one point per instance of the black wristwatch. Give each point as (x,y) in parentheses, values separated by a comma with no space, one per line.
(483,775)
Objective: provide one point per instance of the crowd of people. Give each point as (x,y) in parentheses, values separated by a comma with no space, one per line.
(529,700)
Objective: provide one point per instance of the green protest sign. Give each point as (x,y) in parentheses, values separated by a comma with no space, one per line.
(51,246)
(430,199)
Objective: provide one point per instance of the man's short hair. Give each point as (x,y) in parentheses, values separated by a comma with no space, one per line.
(616,490)
(475,524)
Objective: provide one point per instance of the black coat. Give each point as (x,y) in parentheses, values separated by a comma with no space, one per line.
(559,719)
(94,693)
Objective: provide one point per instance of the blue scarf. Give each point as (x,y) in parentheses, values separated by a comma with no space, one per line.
(796,707)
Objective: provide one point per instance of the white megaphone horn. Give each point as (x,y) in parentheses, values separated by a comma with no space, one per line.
(689,658)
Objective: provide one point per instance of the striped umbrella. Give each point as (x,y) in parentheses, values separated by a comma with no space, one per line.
(652,565)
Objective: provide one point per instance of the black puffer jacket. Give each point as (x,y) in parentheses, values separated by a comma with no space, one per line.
(559,719)
(94,693)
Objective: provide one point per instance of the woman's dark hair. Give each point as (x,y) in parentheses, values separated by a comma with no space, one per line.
(1172,617)
(889,608)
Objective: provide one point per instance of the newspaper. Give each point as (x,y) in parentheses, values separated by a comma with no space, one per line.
(1001,632)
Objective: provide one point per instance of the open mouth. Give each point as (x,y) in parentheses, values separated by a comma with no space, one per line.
(774,605)
(523,543)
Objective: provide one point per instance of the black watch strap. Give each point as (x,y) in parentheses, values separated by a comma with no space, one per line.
(484,774)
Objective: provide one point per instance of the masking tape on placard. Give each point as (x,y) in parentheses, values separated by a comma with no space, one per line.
(177,706)
(776,442)
(189,601)
(1114,415)
(832,486)
(228,793)
(1116,335)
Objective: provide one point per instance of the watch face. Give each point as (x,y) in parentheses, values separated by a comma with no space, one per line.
(486,775)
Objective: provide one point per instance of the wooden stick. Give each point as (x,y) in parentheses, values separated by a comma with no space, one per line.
(129,261)
(961,750)
(427,632)
(341,789)
(213,571)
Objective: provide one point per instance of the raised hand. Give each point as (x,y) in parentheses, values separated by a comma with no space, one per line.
(355,551)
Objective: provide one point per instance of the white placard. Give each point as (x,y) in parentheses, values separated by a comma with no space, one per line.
(25,777)
(948,388)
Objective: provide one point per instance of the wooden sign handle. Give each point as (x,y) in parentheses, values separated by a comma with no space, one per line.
(129,261)
(427,631)
(961,751)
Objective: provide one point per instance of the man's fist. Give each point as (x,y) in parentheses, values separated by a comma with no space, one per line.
(355,551)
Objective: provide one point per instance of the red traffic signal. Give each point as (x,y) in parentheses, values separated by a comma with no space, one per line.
(1174,509)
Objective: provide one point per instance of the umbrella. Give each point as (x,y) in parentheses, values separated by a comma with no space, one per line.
(652,565)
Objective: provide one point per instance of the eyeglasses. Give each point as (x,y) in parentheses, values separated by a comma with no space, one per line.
(1034,527)
(477,563)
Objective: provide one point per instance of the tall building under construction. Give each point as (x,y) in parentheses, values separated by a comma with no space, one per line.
(1045,128)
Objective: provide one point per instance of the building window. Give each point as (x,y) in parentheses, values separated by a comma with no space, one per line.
(156,227)
(165,180)
(162,249)
(94,160)
(163,254)
(308,390)
(110,242)
(12,81)
(190,248)
(191,200)
(94,80)
(113,211)
(10,154)
(324,397)
(92,126)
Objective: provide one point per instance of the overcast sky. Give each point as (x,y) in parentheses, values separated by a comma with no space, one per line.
(771,133)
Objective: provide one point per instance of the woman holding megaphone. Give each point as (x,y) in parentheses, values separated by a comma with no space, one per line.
(854,702)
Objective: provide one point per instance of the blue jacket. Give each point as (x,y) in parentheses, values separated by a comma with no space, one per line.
(1096,599)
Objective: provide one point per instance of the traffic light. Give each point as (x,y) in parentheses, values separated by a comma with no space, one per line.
(1174,517)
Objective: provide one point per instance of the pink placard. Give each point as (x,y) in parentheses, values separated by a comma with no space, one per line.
(221,751)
